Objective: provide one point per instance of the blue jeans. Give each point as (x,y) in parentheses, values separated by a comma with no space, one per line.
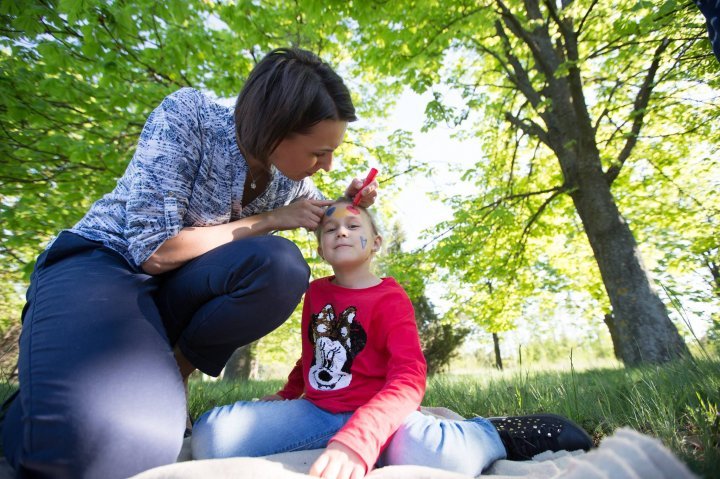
(711,10)
(101,395)
(269,427)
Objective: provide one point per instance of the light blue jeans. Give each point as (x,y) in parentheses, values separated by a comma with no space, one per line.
(261,428)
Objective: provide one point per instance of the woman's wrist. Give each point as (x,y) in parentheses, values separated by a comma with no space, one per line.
(267,222)
(256,225)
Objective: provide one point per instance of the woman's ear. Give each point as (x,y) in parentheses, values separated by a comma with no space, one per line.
(319,252)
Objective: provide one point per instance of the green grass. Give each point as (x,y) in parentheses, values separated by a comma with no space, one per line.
(676,402)
(205,395)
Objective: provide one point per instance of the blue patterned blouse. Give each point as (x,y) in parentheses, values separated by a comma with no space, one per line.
(187,171)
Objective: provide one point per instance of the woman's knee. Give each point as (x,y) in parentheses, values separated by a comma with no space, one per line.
(287,262)
(282,263)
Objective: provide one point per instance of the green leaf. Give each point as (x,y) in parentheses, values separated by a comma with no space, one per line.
(71,7)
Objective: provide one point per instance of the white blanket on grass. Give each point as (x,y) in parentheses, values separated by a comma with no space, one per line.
(627,454)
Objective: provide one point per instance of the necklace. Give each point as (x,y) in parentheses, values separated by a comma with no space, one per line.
(252,179)
(253,183)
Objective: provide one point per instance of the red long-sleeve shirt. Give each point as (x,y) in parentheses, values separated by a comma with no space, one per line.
(360,352)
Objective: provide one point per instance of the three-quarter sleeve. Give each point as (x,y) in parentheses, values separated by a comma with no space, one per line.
(164,169)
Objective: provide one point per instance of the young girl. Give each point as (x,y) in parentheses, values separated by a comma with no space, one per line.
(357,387)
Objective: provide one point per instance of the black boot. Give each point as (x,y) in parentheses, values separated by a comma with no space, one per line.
(527,436)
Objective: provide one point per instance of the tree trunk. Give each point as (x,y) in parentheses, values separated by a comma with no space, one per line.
(642,326)
(643,329)
(610,323)
(714,268)
(242,365)
(498,358)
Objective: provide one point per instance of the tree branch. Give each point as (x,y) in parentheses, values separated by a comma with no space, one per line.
(443,29)
(514,25)
(526,230)
(129,53)
(575,83)
(493,205)
(521,78)
(681,190)
(585,17)
(639,108)
(529,127)
(608,100)
(513,159)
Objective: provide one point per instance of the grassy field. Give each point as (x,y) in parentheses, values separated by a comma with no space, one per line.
(676,402)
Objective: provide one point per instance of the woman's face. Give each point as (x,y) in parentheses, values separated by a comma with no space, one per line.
(300,156)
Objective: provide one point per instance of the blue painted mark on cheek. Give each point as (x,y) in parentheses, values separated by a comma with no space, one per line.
(363,242)
(330,211)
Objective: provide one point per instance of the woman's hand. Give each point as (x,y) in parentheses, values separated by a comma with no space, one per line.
(299,214)
(338,462)
(368,194)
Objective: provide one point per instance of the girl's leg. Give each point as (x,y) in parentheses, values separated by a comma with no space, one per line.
(261,428)
(100,392)
(231,296)
(466,447)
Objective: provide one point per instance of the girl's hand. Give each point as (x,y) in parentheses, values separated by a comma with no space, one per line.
(338,462)
(368,194)
(299,214)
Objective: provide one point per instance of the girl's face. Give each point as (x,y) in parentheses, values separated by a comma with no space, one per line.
(347,237)
(300,156)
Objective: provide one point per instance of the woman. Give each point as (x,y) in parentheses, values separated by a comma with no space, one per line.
(173,270)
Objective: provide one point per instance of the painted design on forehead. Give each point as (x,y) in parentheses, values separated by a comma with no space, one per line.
(363,241)
(342,212)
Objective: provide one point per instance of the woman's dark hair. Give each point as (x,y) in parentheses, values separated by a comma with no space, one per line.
(288,92)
